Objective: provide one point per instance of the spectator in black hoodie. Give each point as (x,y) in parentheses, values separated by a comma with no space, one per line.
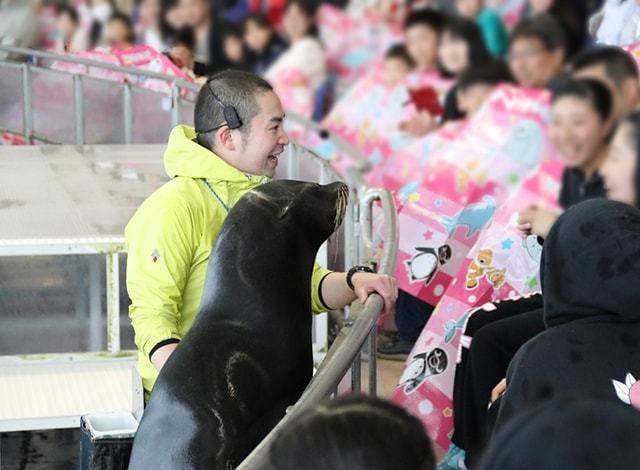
(590,272)
(568,434)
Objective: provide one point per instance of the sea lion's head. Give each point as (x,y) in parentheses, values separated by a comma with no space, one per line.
(314,208)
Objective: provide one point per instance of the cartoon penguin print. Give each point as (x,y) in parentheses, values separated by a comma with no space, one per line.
(423,366)
(427,262)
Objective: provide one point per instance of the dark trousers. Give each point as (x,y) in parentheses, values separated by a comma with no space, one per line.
(497,336)
(411,316)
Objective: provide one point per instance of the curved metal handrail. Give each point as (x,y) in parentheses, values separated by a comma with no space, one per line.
(102,65)
(341,359)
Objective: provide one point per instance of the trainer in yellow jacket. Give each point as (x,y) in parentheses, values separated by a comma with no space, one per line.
(169,241)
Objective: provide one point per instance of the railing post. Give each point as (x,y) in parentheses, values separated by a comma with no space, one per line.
(113,303)
(373,365)
(128,114)
(175,105)
(78,106)
(356,375)
(27,103)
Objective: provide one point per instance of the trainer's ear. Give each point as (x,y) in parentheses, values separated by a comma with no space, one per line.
(225,137)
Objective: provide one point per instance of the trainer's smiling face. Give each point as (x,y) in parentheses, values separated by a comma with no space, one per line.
(266,140)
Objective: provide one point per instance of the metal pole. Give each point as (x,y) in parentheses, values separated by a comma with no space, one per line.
(27,103)
(128,115)
(95,305)
(356,372)
(113,303)
(175,105)
(78,106)
(373,371)
(292,163)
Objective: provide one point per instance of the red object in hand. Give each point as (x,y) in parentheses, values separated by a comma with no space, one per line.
(426,99)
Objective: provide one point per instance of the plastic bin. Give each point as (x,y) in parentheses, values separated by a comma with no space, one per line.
(106,441)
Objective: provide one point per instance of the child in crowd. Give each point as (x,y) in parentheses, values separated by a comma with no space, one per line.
(495,34)
(99,12)
(233,47)
(477,83)
(118,32)
(70,37)
(537,52)
(263,42)
(422,30)
(398,65)
(148,27)
(461,48)
(305,53)
(353,433)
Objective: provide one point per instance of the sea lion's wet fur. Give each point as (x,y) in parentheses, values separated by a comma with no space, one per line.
(248,355)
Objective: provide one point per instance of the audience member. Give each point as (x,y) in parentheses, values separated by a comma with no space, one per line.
(568,434)
(422,30)
(580,127)
(118,32)
(590,269)
(477,83)
(537,52)
(69,38)
(100,12)
(353,433)
(263,42)
(233,47)
(616,69)
(618,23)
(148,27)
(398,64)
(494,33)
(305,53)
(572,16)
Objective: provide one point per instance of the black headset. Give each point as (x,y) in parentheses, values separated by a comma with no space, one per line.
(229,112)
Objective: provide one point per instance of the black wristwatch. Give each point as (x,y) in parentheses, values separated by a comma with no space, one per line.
(357,269)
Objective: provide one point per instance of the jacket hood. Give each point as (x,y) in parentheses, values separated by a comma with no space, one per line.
(567,433)
(185,157)
(590,264)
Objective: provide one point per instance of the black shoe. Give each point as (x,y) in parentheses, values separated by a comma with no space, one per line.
(395,350)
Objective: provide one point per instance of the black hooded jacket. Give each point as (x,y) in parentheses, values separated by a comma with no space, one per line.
(568,435)
(590,272)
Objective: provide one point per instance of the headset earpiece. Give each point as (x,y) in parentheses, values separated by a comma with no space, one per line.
(230,113)
(231,116)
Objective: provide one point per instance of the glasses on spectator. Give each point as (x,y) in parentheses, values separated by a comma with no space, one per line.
(524,54)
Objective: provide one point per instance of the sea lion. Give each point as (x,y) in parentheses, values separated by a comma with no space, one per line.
(248,355)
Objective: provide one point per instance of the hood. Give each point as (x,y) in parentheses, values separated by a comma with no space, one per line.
(185,157)
(590,264)
(568,434)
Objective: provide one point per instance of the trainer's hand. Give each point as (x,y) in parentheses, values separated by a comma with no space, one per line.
(368,283)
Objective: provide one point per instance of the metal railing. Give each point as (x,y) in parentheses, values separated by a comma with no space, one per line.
(356,232)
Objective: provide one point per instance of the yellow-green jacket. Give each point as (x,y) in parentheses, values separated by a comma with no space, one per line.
(170,238)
